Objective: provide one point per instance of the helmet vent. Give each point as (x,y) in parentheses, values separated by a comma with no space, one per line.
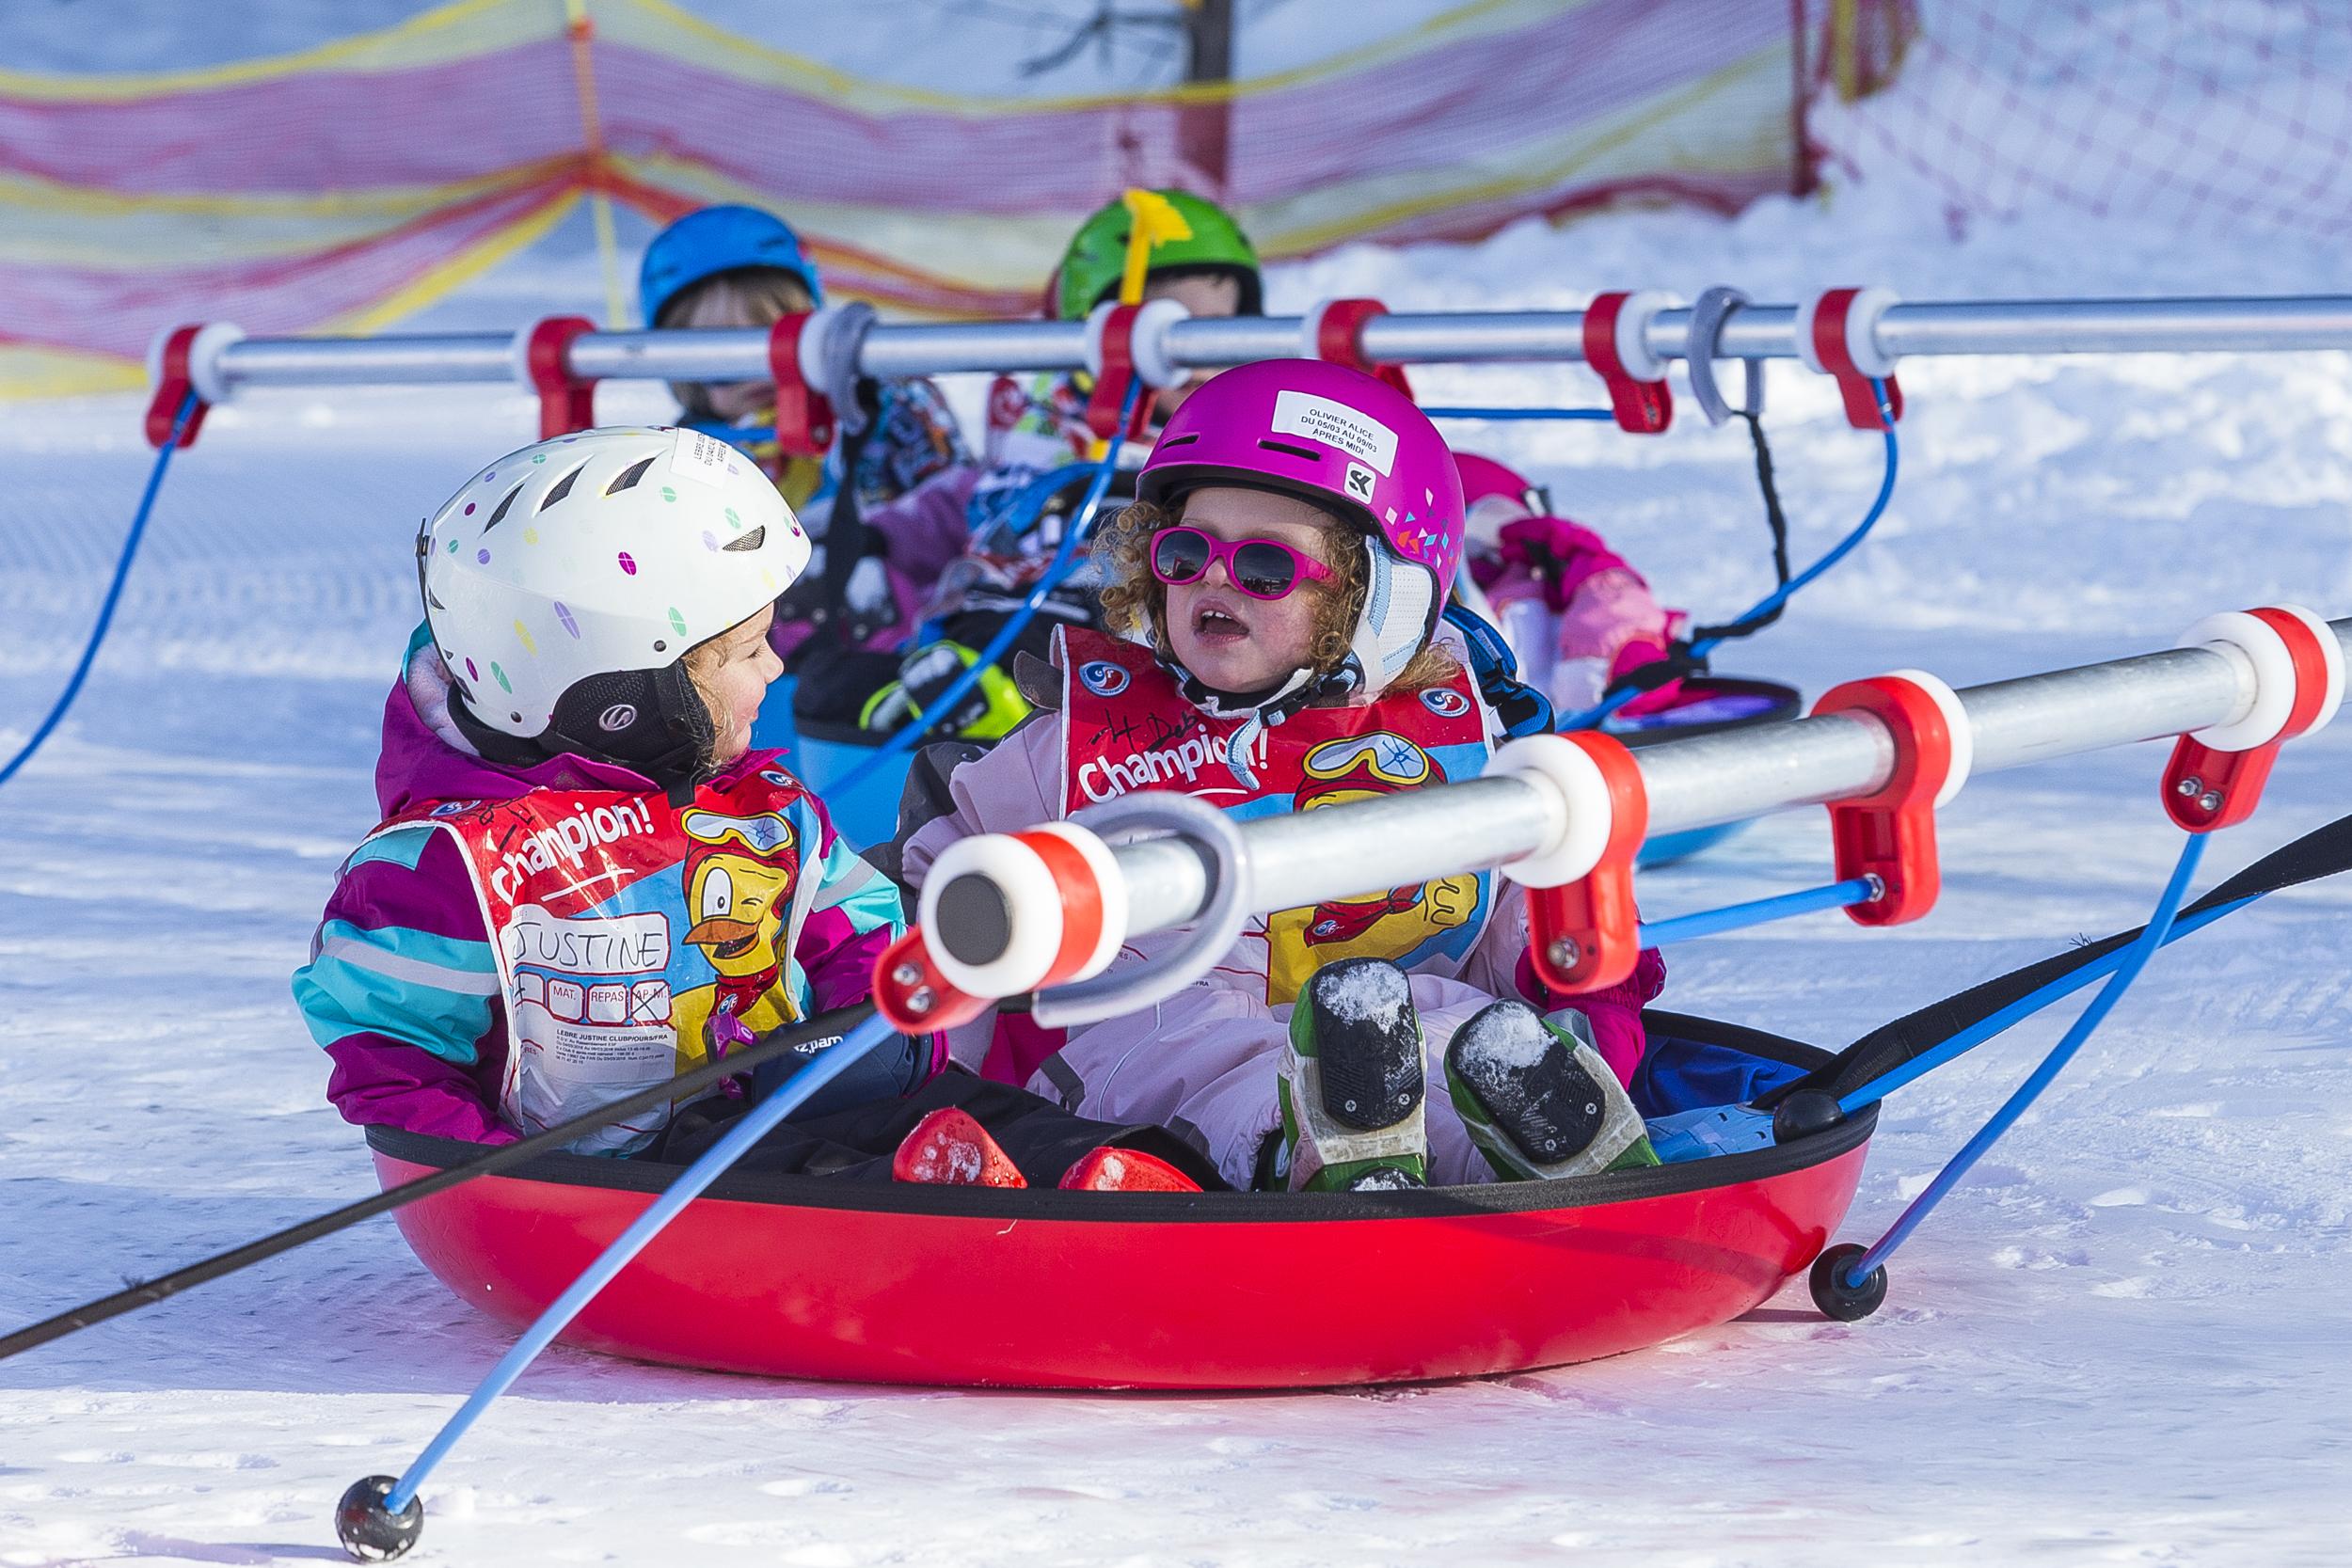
(1177,442)
(563,487)
(748,542)
(630,476)
(1289,450)
(500,515)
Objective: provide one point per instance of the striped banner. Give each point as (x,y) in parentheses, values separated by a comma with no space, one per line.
(337,189)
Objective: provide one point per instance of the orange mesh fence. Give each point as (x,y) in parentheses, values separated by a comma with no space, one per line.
(341,187)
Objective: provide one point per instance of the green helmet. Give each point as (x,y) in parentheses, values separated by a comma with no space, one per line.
(1097,257)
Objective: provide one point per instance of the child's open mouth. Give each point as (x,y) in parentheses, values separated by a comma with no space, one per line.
(1212,625)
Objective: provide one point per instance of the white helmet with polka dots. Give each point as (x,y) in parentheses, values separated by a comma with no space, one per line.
(566,582)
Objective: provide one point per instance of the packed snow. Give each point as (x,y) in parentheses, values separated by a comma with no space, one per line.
(2122,1340)
(1502,1039)
(1374,993)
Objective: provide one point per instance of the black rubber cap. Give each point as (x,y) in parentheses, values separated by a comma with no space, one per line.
(372,1532)
(1804,1113)
(974,923)
(1836,1297)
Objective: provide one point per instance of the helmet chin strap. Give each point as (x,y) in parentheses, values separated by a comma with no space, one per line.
(651,722)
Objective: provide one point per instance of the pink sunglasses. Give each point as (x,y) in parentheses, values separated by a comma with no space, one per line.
(1262,568)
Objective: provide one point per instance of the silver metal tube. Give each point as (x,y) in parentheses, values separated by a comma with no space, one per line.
(419,359)
(2120,327)
(679,356)
(1446,830)
(1757,331)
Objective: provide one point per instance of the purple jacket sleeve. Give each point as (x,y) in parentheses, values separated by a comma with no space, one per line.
(401,993)
(380,1081)
(925,528)
(857,914)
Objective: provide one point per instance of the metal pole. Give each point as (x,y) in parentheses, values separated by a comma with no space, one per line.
(1757,331)
(1309,857)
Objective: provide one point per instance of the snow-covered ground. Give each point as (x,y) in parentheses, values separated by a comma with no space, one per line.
(2121,1341)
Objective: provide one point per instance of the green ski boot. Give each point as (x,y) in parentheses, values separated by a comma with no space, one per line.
(1537,1099)
(1350,1089)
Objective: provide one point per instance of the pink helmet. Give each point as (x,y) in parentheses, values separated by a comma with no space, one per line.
(1348,442)
(1483,476)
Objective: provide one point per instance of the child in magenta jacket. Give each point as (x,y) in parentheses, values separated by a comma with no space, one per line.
(587,881)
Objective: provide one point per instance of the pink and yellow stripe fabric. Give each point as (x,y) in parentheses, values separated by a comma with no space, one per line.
(337,189)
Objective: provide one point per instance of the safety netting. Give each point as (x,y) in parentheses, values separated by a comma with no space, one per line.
(2183,116)
(340,188)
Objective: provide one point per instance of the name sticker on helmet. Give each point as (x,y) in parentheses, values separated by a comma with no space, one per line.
(704,459)
(1335,424)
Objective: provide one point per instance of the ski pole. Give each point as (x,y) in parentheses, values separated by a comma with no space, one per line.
(491,1160)
(379,1518)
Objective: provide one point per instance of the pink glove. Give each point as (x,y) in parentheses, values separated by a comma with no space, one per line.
(1637,652)
(1562,553)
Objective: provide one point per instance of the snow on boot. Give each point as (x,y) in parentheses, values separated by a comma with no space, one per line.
(1537,1099)
(1350,1087)
(1125,1170)
(950,1148)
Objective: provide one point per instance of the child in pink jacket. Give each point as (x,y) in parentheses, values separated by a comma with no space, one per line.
(1595,619)
(1278,588)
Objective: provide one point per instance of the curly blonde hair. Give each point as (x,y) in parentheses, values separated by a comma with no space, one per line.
(1133,600)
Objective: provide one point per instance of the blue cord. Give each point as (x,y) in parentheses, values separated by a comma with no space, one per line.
(114,594)
(1503,413)
(1782,594)
(2132,959)
(754,1125)
(2018,1011)
(1755,912)
(1018,622)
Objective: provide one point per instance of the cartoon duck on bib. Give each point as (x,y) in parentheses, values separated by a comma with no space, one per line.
(741,877)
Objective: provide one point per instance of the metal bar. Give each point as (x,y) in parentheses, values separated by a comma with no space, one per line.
(416,359)
(2283,324)
(1446,830)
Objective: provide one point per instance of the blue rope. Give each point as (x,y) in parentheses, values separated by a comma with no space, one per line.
(114,594)
(1018,622)
(1509,414)
(1782,594)
(754,1125)
(1755,912)
(2132,960)
(2018,1011)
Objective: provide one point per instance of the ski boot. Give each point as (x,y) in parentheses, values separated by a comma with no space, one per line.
(1350,1087)
(950,1148)
(988,711)
(1537,1097)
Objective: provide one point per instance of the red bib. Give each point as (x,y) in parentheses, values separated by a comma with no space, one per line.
(1126,726)
(624,927)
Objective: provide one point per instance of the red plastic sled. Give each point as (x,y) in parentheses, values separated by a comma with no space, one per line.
(811,1277)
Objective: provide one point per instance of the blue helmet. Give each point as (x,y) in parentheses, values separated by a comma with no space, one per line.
(715,240)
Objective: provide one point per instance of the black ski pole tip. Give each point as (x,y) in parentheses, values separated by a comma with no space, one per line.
(1839,1296)
(372,1532)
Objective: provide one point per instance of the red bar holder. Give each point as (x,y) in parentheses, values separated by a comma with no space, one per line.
(805,421)
(1890,833)
(566,403)
(1584,935)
